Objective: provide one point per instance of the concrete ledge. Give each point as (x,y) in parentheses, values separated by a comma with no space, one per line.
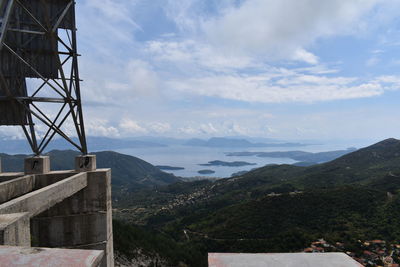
(95,197)
(40,200)
(7,176)
(16,187)
(33,257)
(43,180)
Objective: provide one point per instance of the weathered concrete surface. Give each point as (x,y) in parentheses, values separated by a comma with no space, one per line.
(17,184)
(16,187)
(85,163)
(66,209)
(7,176)
(15,230)
(37,165)
(42,199)
(83,220)
(105,246)
(42,180)
(78,229)
(281,260)
(49,257)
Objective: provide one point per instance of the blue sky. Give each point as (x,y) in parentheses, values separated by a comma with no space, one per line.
(291,69)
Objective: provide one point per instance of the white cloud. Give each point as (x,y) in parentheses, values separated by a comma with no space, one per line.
(100,127)
(188,130)
(142,79)
(286,88)
(197,54)
(115,10)
(303,55)
(132,127)
(282,29)
(160,127)
(11,132)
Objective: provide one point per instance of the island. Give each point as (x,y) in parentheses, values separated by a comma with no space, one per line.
(169,168)
(228,164)
(206,171)
(302,156)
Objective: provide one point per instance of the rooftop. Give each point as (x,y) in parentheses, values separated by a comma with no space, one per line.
(281,259)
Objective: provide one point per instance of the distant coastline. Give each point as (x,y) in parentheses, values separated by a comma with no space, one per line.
(169,168)
(206,171)
(227,164)
(305,158)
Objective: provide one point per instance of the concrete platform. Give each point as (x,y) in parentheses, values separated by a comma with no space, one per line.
(49,257)
(281,260)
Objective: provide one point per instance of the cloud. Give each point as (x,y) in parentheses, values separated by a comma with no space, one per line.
(179,78)
(294,87)
(160,127)
(282,29)
(303,55)
(100,127)
(132,127)
(115,10)
(197,54)
(11,132)
(188,130)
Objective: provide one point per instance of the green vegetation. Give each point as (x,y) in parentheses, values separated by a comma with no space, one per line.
(133,241)
(281,207)
(276,208)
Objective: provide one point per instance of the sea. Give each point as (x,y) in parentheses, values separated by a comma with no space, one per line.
(189,157)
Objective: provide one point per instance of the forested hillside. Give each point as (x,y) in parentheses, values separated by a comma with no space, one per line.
(279,208)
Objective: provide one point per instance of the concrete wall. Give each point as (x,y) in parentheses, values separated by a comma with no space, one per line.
(59,209)
(83,220)
(14,229)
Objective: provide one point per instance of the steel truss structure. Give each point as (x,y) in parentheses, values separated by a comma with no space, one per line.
(39,67)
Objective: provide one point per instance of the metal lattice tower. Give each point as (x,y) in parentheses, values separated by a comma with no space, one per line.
(39,76)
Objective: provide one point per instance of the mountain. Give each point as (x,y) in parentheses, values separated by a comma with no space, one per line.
(281,208)
(95,143)
(234,143)
(364,167)
(128,172)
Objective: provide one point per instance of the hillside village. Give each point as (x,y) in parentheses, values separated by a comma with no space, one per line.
(371,253)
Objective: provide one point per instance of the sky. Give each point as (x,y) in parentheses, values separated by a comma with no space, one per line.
(287,69)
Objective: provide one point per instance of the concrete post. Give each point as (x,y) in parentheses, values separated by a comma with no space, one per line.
(37,165)
(0,166)
(85,163)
